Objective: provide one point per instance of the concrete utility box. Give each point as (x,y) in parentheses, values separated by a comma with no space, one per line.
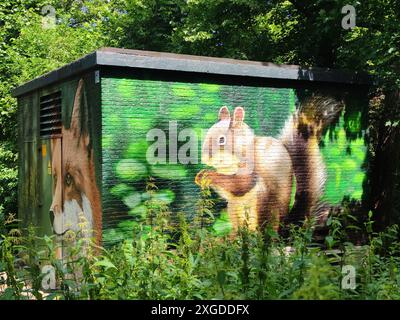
(274,142)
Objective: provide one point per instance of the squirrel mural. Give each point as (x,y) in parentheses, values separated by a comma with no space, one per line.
(255,174)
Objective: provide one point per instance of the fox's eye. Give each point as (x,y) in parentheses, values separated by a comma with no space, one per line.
(68,179)
(222,140)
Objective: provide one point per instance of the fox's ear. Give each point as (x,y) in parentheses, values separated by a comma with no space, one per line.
(224,113)
(238,115)
(76,112)
(75,126)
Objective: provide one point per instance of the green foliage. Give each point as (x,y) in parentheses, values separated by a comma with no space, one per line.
(202,265)
(154,264)
(306,33)
(27,50)
(344,158)
(8,179)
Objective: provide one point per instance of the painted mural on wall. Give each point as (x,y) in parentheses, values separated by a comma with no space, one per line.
(264,151)
(256,173)
(76,198)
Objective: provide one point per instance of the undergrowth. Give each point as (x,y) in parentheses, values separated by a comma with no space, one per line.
(155,263)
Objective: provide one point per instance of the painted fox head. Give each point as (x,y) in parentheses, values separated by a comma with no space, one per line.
(229,144)
(75,193)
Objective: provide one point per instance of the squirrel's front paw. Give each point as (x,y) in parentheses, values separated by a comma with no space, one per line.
(202,178)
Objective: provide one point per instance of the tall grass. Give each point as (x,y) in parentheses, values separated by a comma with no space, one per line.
(186,260)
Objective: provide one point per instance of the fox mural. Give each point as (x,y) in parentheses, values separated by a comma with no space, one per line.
(255,174)
(75,192)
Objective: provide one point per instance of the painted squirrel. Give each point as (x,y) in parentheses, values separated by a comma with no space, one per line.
(255,174)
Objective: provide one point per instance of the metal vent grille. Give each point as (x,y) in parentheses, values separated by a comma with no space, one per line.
(50,114)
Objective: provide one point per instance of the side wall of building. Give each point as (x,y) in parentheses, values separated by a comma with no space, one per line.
(59,154)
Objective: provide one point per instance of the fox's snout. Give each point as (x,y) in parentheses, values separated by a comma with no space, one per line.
(55,209)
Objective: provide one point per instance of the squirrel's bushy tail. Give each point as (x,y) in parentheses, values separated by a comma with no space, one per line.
(301,136)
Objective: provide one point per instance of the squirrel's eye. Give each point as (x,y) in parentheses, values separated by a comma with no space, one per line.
(68,179)
(222,140)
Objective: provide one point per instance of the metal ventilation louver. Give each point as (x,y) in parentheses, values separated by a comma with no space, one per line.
(50,114)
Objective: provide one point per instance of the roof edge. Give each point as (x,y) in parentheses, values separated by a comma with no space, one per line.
(189,63)
(85,63)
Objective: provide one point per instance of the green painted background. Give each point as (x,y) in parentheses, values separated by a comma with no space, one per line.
(132,107)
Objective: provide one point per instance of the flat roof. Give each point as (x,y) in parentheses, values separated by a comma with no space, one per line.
(114,57)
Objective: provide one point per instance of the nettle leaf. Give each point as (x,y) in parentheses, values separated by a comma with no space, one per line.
(107,264)
(329,241)
(221,277)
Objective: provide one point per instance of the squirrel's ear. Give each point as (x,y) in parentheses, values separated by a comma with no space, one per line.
(238,115)
(224,113)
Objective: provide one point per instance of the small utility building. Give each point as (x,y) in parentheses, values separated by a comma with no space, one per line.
(91,135)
